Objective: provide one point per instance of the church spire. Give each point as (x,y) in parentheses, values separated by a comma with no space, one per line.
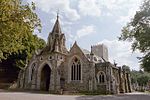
(56,39)
(56,28)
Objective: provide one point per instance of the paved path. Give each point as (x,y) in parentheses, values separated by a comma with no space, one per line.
(35,96)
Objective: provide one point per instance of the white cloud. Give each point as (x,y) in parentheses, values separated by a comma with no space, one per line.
(70,38)
(50,6)
(85,30)
(123,10)
(89,7)
(118,4)
(130,13)
(121,52)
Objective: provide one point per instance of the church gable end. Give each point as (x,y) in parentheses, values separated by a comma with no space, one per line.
(76,50)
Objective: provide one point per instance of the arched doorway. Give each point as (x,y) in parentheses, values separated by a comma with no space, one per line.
(45,78)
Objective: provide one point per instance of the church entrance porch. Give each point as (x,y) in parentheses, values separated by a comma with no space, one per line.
(45,78)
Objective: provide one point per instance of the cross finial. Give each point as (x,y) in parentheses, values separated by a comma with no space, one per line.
(115,63)
(57,13)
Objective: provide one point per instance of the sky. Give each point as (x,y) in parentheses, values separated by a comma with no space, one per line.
(91,22)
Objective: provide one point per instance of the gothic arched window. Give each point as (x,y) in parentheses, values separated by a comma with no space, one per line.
(101,77)
(32,70)
(76,69)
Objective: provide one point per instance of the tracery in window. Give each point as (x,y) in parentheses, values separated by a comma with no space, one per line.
(101,77)
(76,69)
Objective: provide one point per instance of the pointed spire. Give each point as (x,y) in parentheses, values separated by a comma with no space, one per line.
(75,42)
(56,28)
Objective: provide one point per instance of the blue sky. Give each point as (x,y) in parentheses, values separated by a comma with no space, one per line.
(91,22)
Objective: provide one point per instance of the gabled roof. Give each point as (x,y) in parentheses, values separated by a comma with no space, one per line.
(85,51)
(96,58)
(76,48)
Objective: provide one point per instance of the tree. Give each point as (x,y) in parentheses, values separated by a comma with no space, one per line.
(126,68)
(23,56)
(18,21)
(141,78)
(134,75)
(138,32)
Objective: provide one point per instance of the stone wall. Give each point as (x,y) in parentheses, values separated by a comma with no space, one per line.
(85,75)
(60,66)
(101,88)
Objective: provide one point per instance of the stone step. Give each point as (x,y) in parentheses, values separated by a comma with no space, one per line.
(4,85)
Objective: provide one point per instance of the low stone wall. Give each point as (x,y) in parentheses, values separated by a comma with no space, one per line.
(101,88)
(76,86)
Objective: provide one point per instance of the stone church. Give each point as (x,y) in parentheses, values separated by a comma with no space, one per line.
(55,68)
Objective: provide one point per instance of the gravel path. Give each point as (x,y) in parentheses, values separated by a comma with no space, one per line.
(4,95)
